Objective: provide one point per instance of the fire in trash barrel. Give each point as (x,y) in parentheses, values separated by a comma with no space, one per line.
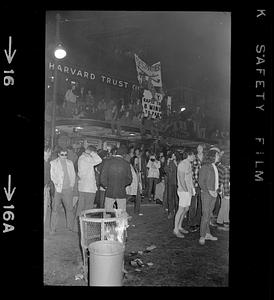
(106,263)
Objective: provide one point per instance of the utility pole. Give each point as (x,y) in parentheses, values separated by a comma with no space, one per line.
(57,37)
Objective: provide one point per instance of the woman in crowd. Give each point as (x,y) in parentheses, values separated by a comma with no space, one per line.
(153,167)
(160,186)
(171,171)
(133,190)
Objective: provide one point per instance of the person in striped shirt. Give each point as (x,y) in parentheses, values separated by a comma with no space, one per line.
(224,183)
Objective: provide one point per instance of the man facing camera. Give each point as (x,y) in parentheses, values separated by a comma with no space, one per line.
(209,184)
(62,174)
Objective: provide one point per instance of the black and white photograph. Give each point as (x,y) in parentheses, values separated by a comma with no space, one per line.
(149,121)
(137,148)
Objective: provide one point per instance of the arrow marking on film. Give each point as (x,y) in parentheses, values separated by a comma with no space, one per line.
(8,193)
(9,55)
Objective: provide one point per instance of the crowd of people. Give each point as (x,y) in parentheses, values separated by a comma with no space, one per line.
(192,185)
(79,103)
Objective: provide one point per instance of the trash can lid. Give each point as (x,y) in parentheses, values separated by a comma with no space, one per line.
(106,248)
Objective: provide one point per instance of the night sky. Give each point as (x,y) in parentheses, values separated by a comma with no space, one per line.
(193,47)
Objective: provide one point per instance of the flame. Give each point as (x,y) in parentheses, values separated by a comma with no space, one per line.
(115,231)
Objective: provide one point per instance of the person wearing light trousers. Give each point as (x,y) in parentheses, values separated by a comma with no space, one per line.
(62,174)
(223,216)
(209,183)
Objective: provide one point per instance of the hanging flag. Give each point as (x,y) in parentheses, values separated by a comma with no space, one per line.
(146,72)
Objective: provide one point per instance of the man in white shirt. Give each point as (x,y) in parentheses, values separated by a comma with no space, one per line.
(153,166)
(185,191)
(87,183)
(63,176)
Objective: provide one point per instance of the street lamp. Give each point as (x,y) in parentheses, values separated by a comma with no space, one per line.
(183,108)
(59,53)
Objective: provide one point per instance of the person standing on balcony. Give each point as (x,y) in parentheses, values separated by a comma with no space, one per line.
(102,106)
(70,101)
(89,104)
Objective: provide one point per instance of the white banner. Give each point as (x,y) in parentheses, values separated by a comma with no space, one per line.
(148,73)
(150,106)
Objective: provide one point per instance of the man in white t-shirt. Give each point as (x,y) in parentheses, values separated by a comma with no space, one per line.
(153,167)
(185,191)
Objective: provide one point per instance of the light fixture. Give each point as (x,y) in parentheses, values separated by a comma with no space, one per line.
(60,52)
(183,108)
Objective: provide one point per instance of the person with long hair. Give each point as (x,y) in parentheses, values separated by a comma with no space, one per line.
(195,211)
(171,170)
(133,190)
(209,184)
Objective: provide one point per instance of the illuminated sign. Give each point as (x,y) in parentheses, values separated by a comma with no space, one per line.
(92,76)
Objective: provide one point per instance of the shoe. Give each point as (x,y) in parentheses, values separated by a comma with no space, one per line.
(210,237)
(178,234)
(194,228)
(158,201)
(211,223)
(202,241)
(224,228)
(182,230)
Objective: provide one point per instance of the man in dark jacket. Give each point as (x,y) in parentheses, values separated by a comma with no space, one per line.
(209,184)
(100,195)
(115,176)
(171,170)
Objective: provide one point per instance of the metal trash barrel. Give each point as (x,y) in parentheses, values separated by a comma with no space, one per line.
(106,262)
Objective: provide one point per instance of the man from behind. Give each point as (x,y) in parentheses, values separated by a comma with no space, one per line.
(115,176)
(87,183)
